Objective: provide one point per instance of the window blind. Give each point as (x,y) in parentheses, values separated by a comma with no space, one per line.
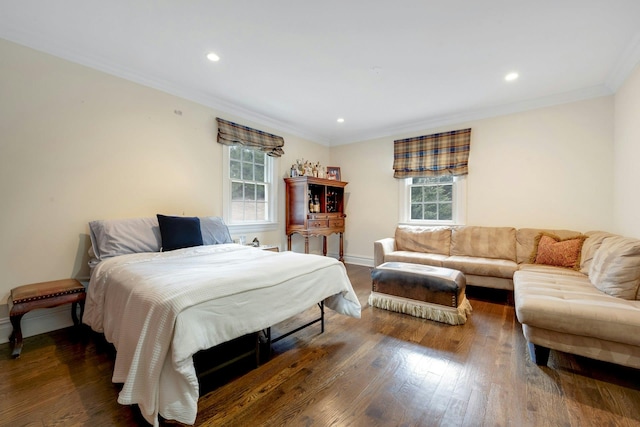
(230,133)
(445,153)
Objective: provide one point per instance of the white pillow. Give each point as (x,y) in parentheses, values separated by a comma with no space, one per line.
(115,237)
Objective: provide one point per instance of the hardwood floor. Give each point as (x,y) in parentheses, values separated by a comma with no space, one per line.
(385,369)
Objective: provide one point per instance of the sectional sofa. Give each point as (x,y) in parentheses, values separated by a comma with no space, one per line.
(573,292)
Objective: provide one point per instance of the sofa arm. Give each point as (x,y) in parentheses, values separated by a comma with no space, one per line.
(381,248)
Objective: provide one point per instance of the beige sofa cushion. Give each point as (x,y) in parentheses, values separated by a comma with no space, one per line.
(435,240)
(541,268)
(526,239)
(482,266)
(589,248)
(615,269)
(484,242)
(435,260)
(570,304)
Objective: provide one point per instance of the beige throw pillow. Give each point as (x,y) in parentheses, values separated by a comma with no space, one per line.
(590,247)
(615,269)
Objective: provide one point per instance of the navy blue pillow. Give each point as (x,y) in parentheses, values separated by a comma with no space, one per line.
(179,232)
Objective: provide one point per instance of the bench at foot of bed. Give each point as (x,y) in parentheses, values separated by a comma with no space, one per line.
(25,298)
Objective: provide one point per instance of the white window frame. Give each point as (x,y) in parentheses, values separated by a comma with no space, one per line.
(271,166)
(459,208)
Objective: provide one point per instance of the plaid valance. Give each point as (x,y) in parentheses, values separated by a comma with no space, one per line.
(445,153)
(230,133)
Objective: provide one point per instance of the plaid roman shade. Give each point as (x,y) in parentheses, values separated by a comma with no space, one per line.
(445,153)
(230,133)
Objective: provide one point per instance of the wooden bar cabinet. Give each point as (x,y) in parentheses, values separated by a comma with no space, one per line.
(315,207)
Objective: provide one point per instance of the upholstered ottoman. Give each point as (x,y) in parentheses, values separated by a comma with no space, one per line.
(25,298)
(433,293)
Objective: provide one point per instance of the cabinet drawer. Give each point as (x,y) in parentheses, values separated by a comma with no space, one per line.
(336,223)
(317,223)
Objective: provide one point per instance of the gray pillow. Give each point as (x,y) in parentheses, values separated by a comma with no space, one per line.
(214,231)
(115,237)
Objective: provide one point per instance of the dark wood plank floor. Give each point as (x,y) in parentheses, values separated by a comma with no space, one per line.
(385,369)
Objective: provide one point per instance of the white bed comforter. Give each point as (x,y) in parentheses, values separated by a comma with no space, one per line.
(158,309)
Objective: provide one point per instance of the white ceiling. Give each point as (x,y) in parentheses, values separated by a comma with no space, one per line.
(387,67)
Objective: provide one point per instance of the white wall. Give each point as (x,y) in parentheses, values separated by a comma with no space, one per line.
(78,145)
(627,157)
(371,195)
(550,167)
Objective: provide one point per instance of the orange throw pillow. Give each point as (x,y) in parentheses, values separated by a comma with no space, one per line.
(551,250)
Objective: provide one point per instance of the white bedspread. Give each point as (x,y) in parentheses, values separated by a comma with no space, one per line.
(158,309)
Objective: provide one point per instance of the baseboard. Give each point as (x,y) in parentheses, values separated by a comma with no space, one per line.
(357,260)
(38,322)
(354,259)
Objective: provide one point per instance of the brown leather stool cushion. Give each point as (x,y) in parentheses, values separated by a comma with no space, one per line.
(425,283)
(45,294)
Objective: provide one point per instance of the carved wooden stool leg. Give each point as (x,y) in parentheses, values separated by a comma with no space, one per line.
(77,320)
(16,336)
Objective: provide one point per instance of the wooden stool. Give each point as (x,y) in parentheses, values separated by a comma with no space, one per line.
(43,295)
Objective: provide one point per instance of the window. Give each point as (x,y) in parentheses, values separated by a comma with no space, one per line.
(249,190)
(248,185)
(433,200)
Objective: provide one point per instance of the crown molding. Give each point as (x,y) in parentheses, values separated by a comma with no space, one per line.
(97,63)
(482,113)
(628,60)
(624,66)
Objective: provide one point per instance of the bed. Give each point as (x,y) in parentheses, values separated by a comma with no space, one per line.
(160,307)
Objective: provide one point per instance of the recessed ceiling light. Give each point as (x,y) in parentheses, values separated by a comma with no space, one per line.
(340,120)
(511,77)
(213,57)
